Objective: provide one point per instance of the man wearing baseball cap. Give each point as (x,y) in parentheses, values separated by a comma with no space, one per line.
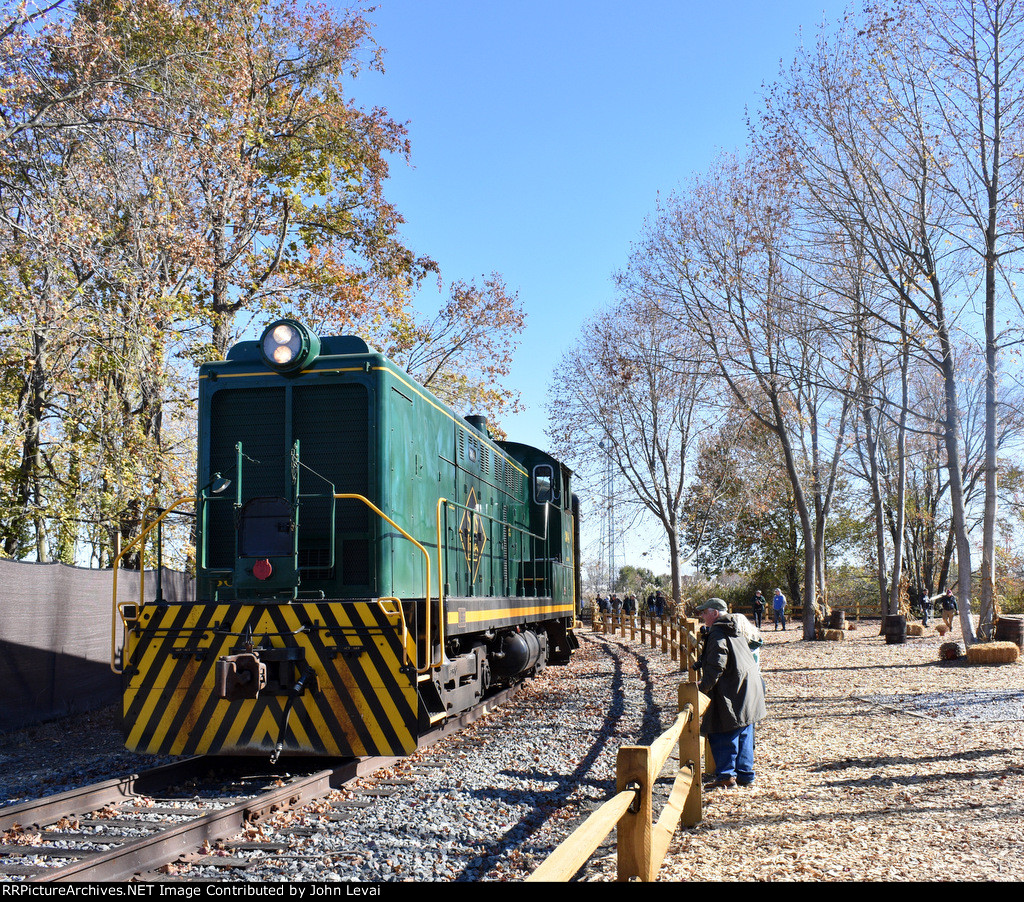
(732,680)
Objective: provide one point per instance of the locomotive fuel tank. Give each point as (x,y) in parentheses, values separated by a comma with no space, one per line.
(518,652)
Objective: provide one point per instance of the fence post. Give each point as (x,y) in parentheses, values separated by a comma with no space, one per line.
(687,645)
(633,842)
(684,643)
(689,754)
(691,667)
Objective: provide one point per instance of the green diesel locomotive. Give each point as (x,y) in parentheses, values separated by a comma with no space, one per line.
(368,563)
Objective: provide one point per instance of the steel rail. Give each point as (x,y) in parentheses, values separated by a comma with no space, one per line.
(137,856)
(40,812)
(134,858)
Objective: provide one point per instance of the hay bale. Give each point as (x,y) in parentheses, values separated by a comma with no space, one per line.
(993,653)
(834,635)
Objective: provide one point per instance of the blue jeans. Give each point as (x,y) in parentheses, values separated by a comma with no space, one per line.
(733,752)
(780,617)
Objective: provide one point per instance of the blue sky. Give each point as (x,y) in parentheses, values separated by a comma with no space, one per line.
(543,132)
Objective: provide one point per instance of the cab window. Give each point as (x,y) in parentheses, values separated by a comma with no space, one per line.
(545,484)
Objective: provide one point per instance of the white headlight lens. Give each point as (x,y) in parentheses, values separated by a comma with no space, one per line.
(287,346)
(282,343)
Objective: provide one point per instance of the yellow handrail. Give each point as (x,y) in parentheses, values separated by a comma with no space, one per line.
(351,497)
(141,537)
(440,570)
(401,616)
(165,511)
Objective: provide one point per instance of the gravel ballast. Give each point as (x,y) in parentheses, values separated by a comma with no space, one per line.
(876,762)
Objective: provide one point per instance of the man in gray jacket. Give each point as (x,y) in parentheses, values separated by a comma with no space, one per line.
(732,680)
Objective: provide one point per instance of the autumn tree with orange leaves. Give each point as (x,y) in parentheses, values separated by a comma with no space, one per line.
(171,171)
(462,353)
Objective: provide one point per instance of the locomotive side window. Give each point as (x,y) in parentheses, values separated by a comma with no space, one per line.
(545,486)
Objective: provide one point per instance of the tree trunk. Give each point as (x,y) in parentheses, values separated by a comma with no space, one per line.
(956,493)
(901,464)
(986,608)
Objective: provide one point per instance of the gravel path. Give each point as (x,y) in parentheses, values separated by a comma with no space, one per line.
(876,762)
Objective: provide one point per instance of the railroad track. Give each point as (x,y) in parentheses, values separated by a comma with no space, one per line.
(126,827)
(130,827)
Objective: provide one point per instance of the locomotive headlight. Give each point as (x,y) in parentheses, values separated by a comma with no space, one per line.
(283,344)
(287,345)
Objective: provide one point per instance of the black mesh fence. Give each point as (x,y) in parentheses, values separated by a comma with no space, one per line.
(55,636)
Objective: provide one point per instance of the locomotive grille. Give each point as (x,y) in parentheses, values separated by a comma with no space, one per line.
(331,424)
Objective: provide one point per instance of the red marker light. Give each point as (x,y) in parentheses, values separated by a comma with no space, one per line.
(262,569)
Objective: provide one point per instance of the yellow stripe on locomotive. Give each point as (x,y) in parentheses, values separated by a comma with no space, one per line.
(360,698)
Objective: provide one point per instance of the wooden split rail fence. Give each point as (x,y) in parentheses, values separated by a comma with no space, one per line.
(678,637)
(641,841)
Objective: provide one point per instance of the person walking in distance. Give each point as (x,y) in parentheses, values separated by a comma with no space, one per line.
(926,608)
(731,679)
(950,608)
(779,609)
(757,607)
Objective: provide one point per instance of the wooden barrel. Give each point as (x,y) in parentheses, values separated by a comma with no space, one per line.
(1010,629)
(894,626)
(837,620)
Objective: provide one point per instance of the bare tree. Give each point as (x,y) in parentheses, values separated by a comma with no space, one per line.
(633,390)
(974,81)
(859,121)
(875,353)
(715,260)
